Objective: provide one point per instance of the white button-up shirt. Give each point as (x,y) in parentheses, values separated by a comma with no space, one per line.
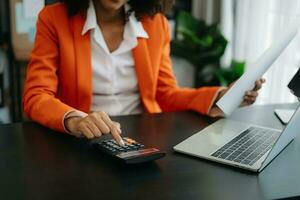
(115,85)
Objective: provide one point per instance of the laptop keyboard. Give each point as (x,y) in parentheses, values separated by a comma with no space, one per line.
(249,146)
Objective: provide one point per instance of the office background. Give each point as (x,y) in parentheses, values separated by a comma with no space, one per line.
(239,29)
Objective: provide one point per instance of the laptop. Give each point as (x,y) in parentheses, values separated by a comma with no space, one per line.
(294,84)
(239,144)
(284,115)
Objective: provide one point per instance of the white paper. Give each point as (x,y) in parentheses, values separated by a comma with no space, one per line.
(234,97)
(32,8)
(23,25)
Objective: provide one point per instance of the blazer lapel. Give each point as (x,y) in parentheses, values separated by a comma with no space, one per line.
(144,73)
(82,50)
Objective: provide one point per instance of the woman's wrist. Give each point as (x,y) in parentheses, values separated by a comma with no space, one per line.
(215,111)
(71,124)
(68,123)
(221,93)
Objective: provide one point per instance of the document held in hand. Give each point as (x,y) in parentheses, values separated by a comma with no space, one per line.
(234,97)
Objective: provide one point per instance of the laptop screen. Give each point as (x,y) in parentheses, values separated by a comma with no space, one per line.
(294,85)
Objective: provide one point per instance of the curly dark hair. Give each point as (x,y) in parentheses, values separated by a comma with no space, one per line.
(140,7)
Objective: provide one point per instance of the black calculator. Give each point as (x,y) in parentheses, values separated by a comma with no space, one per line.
(131,153)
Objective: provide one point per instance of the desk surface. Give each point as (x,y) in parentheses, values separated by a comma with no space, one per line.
(36,163)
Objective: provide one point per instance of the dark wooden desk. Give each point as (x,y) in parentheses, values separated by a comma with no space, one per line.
(36,163)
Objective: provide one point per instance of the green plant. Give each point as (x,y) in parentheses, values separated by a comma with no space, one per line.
(231,74)
(202,45)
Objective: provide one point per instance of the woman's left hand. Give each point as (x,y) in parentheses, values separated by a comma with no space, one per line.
(249,98)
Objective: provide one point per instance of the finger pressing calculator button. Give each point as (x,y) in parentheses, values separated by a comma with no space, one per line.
(130,141)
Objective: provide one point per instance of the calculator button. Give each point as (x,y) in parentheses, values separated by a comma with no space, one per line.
(113,147)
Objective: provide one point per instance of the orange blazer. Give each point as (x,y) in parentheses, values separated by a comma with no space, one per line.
(59,74)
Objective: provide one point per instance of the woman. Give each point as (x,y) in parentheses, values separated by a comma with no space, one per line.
(96,58)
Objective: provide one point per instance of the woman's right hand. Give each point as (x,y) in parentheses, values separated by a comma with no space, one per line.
(94,125)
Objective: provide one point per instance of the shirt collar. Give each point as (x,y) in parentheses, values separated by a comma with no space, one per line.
(91,19)
(135,25)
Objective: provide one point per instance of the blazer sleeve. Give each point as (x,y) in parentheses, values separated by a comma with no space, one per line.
(172,98)
(41,83)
